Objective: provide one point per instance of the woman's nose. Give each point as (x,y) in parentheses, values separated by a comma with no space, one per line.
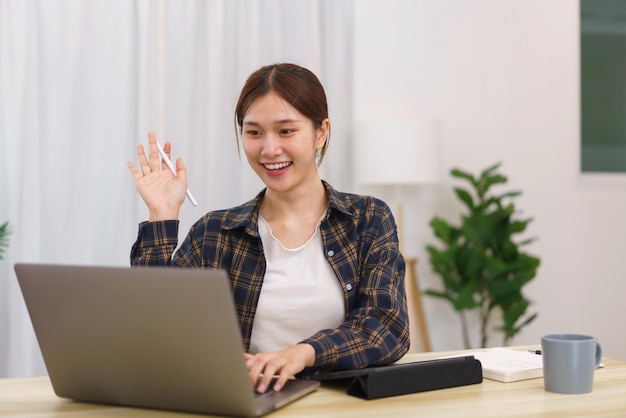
(271,145)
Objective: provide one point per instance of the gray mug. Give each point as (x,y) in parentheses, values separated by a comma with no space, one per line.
(569,361)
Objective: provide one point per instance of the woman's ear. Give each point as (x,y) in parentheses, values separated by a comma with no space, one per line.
(322,134)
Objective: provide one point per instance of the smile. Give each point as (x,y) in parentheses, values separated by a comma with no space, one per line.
(276,166)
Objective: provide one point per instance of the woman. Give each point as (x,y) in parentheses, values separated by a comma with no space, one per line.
(317,275)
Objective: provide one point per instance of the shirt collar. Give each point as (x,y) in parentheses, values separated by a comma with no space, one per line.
(247,215)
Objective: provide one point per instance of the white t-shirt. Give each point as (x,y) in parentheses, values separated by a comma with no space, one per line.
(300,295)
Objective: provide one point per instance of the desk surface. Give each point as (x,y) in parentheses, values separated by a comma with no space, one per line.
(21,397)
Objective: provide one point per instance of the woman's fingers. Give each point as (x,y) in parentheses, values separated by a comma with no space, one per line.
(264,367)
(144,164)
(152,162)
(167,148)
(255,369)
(133,169)
(161,189)
(155,159)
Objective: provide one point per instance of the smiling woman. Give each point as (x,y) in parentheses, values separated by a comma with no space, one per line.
(281,144)
(297,87)
(317,274)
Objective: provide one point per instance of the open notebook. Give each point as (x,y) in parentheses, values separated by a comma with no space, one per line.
(163,338)
(508,365)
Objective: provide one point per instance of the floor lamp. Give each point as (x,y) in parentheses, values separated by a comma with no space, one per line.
(399,154)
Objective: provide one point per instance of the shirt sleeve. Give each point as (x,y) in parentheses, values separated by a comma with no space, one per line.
(377,329)
(155,244)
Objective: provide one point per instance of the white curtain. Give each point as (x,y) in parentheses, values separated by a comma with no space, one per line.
(81,84)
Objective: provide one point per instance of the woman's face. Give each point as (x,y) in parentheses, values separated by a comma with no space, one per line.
(280,143)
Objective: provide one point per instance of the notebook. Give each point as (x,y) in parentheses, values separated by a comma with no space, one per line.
(161,338)
(509,365)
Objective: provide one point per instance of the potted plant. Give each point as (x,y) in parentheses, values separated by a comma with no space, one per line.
(4,238)
(481,266)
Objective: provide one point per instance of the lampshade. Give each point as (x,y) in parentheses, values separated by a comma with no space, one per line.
(396,152)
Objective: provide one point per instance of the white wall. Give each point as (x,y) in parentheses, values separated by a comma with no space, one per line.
(502,79)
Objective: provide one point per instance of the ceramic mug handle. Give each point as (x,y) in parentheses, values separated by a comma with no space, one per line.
(598,354)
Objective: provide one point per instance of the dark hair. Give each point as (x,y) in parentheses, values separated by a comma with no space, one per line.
(294,84)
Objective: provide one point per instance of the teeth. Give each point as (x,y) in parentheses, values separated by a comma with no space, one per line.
(276,166)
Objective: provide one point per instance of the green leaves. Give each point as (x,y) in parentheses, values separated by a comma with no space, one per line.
(480,263)
(443,230)
(463,175)
(483,183)
(4,238)
(465,197)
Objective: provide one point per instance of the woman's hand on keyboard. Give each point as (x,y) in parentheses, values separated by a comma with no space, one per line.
(285,363)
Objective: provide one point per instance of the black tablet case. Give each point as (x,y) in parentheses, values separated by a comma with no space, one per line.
(401,379)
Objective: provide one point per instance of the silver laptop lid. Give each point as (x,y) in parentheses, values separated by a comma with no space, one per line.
(164,338)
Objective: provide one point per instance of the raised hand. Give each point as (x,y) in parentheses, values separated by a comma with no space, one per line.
(162,192)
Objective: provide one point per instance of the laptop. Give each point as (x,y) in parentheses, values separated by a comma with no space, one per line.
(151,337)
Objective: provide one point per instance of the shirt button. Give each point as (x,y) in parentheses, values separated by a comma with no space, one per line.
(349,286)
(331,253)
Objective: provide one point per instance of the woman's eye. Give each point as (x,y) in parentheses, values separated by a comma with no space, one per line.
(286,131)
(252,132)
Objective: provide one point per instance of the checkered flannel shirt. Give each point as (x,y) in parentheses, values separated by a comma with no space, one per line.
(360,243)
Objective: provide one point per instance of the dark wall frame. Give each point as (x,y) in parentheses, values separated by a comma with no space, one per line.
(603,86)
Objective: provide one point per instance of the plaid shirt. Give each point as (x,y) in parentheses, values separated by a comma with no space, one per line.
(360,243)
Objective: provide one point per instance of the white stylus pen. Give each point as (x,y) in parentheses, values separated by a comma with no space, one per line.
(173,170)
